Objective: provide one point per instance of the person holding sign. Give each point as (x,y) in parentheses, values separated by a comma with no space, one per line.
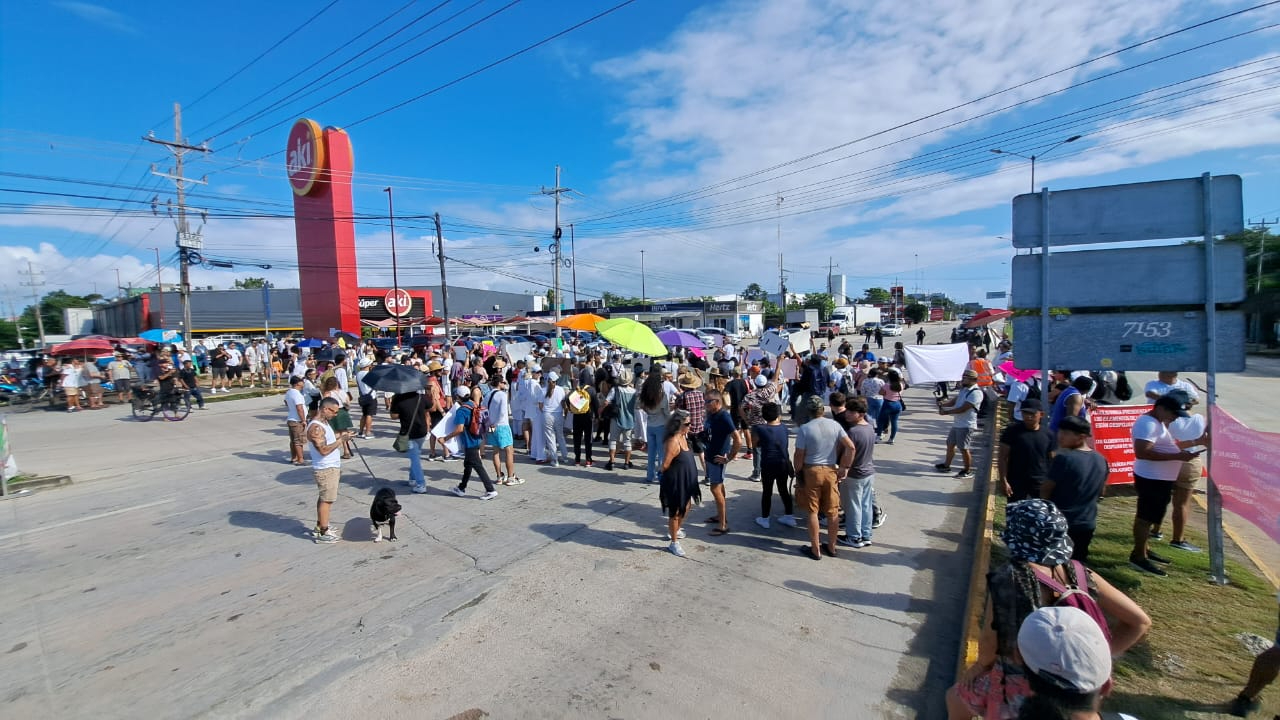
(582,401)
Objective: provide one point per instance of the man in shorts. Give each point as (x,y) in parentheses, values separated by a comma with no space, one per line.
(218,369)
(723,444)
(498,405)
(235,364)
(823,454)
(325,447)
(296,404)
(964,407)
(1158,460)
(620,405)
(121,377)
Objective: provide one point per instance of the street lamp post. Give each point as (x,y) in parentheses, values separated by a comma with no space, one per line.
(1032,158)
(642,294)
(395,276)
(159,286)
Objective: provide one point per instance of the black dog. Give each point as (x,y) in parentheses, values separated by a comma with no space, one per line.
(384,510)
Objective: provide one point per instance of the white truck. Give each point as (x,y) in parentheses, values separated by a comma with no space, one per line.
(851,318)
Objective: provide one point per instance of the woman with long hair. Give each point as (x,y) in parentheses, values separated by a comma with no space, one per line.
(891,405)
(656,405)
(679,488)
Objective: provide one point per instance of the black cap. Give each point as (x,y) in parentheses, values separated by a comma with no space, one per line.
(1075,424)
(1173,402)
(1031,404)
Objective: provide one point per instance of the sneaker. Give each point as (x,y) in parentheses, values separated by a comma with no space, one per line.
(631,466)
(502,478)
(1156,558)
(514,480)
(863,542)
(1157,536)
(1242,706)
(458,491)
(788,520)
(889,442)
(432,458)
(966,473)
(1184,545)
(449,458)
(878,519)
(754,477)
(846,540)
(326,538)
(419,490)
(675,549)
(763,522)
(590,464)
(941,467)
(608,465)
(1147,566)
(489,495)
(679,534)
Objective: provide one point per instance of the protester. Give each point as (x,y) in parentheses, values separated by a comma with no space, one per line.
(368,405)
(471,444)
(721,448)
(218,369)
(1076,479)
(1190,432)
(679,488)
(964,425)
(91,380)
(326,463)
(774,462)
(189,382)
(1158,460)
(121,376)
(71,383)
(857,486)
(551,405)
(656,405)
(822,456)
(1068,665)
(1026,449)
(764,392)
(891,406)
(582,405)
(412,409)
(295,405)
(620,413)
(498,406)
(1035,534)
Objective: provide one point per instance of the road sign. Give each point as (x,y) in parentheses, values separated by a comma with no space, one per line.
(190,241)
(1123,213)
(1132,341)
(1163,275)
(996,294)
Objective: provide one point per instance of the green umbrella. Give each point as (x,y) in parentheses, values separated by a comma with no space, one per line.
(631,335)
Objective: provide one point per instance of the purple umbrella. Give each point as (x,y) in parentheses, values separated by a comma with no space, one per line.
(680,338)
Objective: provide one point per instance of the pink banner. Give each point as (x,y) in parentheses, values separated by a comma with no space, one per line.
(1246,469)
(1112,437)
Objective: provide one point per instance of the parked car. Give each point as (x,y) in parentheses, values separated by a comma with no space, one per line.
(728,336)
(872,325)
(891,329)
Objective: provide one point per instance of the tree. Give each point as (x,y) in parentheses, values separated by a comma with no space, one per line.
(613,300)
(755,292)
(1259,242)
(916,312)
(51,307)
(250,283)
(822,302)
(877,296)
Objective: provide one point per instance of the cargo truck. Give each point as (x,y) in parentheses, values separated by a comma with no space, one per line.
(852,317)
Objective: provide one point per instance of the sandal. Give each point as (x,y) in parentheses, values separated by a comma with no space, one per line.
(828,551)
(808,552)
(719,531)
(712,519)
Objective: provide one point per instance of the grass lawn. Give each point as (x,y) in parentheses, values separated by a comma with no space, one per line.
(1190,664)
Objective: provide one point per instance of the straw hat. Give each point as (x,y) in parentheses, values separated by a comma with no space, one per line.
(690,381)
(434,365)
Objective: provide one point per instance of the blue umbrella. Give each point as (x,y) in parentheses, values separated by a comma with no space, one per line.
(162,336)
(311,343)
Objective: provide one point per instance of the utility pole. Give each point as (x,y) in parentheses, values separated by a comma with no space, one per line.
(187,241)
(160,289)
(1262,247)
(555,249)
(35,285)
(642,290)
(782,280)
(573,266)
(395,275)
(444,286)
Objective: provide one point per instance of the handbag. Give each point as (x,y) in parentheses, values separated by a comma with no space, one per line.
(401,443)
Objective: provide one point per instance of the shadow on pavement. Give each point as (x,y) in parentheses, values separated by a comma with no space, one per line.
(852,597)
(931,497)
(270,522)
(571,532)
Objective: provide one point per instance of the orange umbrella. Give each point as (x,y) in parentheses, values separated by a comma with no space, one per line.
(584,321)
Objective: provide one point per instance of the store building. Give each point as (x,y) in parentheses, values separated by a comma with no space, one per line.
(737,316)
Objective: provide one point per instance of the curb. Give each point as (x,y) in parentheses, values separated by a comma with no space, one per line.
(975,605)
(1244,548)
(31,482)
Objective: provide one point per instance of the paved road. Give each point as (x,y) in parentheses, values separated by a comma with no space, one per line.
(173,580)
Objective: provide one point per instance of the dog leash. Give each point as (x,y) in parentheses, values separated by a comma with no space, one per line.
(366,462)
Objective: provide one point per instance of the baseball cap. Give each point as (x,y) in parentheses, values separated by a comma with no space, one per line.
(462,391)
(1175,401)
(969,375)
(1065,648)
(1075,424)
(553,376)
(814,403)
(761,381)
(1032,404)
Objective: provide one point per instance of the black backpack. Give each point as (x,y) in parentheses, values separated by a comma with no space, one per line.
(1123,390)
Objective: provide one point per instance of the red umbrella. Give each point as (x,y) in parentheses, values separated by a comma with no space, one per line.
(82,346)
(988,316)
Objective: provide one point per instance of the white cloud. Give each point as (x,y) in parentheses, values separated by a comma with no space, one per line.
(98,15)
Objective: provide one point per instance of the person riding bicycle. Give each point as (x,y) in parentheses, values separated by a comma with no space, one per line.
(166,379)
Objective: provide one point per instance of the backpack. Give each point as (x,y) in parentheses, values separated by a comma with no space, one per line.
(1033,391)
(1077,597)
(1123,390)
(479,420)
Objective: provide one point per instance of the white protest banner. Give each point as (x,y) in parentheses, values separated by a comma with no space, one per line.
(517,351)
(446,426)
(775,344)
(936,363)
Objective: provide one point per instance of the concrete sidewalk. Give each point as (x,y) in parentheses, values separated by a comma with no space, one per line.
(184,544)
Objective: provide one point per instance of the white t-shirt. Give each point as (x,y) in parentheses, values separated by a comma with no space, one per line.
(1188,428)
(233,356)
(551,403)
(1017,393)
(1152,430)
(292,399)
(1162,389)
(499,408)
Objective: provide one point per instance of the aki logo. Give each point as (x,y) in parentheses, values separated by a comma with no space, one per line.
(304,156)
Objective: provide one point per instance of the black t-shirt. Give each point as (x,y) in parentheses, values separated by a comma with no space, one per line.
(218,358)
(737,391)
(1078,477)
(771,443)
(720,428)
(403,405)
(188,378)
(1028,455)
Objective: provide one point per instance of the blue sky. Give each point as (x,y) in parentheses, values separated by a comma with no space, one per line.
(678,125)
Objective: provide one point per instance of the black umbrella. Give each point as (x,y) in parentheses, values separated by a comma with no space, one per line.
(326,355)
(395,379)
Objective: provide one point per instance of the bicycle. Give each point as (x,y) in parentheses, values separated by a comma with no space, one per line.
(24,396)
(147,403)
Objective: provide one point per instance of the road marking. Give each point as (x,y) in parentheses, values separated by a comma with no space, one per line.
(99,516)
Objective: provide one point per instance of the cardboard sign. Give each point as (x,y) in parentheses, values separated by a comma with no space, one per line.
(754,355)
(1111,437)
(789,369)
(517,351)
(446,426)
(775,344)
